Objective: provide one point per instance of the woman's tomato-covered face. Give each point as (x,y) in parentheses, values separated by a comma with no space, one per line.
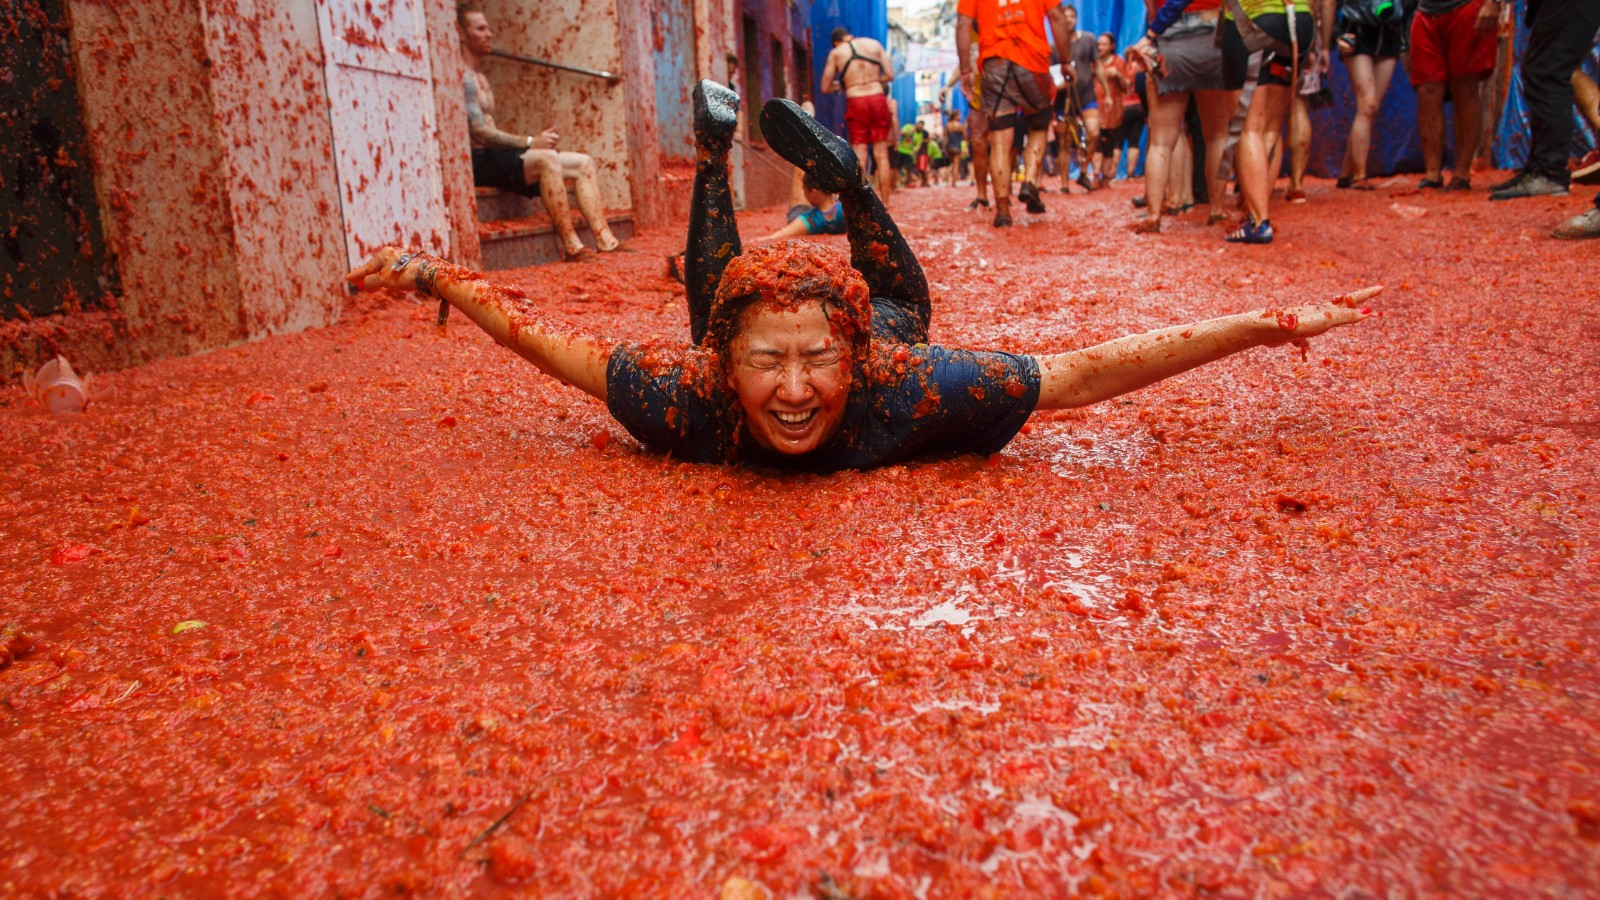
(791,372)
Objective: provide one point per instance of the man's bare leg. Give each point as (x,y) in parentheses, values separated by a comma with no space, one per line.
(1033,155)
(580,168)
(1430,127)
(980,169)
(1468,125)
(544,166)
(880,154)
(999,175)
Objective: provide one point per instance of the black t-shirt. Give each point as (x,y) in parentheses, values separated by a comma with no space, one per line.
(916,398)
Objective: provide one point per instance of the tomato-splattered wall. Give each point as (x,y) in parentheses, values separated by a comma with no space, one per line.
(208,131)
(269,100)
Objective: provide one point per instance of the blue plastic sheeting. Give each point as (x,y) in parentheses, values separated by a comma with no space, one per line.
(904,92)
(863,19)
(1123,18)
(1513,137)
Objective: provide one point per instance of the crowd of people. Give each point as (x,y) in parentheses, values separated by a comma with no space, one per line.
(1228,86)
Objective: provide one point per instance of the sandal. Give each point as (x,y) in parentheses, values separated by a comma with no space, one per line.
(1458,183)
(1214,218)
(1177,210)
(1250,232)
(1430,184)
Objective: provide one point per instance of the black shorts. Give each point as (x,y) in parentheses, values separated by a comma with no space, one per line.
(1133,119)
(503,169)
(1275,68)
(1379,41)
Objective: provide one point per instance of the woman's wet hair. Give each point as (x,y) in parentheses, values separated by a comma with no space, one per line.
(784,276)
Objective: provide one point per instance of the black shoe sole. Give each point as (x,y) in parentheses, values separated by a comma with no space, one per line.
(815,150)
(1029,195)
(716,115)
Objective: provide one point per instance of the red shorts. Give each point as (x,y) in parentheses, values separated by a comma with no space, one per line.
(866,119)
(1446,47)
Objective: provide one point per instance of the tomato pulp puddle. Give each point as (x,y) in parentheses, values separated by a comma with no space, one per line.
(367,610)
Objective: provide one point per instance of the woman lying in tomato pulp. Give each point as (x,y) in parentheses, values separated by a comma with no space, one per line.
(802,360)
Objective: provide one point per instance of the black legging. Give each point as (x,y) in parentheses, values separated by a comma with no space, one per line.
(892,273)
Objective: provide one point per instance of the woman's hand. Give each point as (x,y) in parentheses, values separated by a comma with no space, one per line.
(1297,323)
(381,271)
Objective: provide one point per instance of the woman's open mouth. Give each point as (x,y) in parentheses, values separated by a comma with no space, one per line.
(794,423)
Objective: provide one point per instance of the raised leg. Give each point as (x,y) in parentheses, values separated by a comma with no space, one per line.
(877,249)
(713,232)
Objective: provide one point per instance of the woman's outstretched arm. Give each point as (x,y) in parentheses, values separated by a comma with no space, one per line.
(505,313)
(1107,370)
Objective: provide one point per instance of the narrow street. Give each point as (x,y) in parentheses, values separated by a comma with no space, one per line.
(1274,626)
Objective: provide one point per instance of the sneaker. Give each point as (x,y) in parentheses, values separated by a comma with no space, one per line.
(716,115)
(1295,196)
(1029,195)
(1588,170)
(981,201)
(1579,227)
(1001,220)
(1083,179)
(1509,182)
(810,147)
(1250,232)
(1536,184)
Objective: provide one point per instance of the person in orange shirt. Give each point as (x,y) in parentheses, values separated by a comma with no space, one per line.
(1014,74)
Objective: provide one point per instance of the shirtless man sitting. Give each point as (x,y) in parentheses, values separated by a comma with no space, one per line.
(861,67)
(526,163)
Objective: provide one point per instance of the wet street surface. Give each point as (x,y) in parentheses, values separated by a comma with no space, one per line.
(368,610)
